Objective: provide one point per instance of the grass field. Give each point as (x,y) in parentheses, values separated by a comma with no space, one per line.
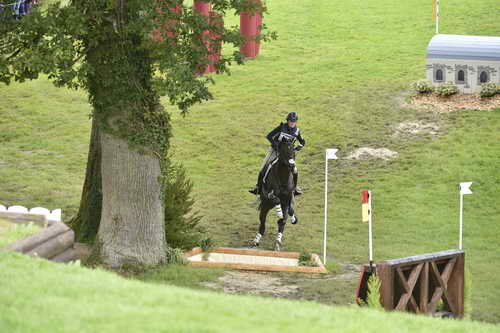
(11,232)
(344,66)
(39,296)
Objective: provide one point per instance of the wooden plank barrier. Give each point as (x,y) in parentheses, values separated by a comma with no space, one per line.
(418,283)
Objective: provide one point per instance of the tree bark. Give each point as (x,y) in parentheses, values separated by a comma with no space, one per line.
(86,222)
(132,229)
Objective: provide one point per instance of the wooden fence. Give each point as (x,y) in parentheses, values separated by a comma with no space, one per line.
(418,284)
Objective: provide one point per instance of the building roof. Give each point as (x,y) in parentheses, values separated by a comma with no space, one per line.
(464,47)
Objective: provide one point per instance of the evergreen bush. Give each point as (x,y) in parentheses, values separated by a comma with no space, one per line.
(181,223)
(446,89)
(373,297)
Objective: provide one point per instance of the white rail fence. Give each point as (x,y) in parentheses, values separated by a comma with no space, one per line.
(54,215)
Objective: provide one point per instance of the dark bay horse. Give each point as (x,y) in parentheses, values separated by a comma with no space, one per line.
(277,192)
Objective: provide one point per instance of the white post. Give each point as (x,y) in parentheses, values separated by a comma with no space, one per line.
(329,155)
(326,210)
(461,221)
(464,189)
(370,243)
(437,16)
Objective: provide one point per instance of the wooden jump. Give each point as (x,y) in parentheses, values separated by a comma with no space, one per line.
(54,242)
(417,284)
(320,268)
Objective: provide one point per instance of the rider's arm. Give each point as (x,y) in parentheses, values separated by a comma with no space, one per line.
(300,138)
(273,134)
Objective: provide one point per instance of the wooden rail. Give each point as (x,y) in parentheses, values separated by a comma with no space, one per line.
(418,284)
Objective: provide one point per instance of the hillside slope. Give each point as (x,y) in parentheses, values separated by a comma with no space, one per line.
(40,296)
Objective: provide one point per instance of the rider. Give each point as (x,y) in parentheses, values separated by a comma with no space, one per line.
(290,128)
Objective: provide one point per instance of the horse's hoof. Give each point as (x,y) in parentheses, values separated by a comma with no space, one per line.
(254,244)
(294,220)
(277,247)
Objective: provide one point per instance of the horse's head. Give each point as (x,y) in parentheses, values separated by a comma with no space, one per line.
(286,153)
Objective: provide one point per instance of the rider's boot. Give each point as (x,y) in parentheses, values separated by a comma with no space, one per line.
(298,190)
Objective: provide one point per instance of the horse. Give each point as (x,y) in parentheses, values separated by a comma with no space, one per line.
(277,192)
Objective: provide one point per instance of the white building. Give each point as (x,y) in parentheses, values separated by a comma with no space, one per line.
(467,61)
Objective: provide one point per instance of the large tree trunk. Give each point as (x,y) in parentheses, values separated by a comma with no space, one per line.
(86,222)
(133,131)
(132,229)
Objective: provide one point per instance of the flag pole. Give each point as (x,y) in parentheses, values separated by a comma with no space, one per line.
(464,189)
(326,208)
(370,234)
(437,17)
(461,220)
(329,155)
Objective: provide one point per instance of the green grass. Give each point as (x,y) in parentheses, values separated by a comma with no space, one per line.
(181,275)
(12,232)
(343,66)
(40,296)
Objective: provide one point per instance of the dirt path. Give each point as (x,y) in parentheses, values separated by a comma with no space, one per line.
(325,288)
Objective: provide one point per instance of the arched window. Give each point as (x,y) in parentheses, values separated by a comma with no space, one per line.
(483,78)
(439,75)
(461,76)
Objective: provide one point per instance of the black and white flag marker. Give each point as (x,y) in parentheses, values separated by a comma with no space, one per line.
(330,154)
(464,189)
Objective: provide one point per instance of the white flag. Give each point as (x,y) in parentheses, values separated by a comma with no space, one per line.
(330,154)
(465,188)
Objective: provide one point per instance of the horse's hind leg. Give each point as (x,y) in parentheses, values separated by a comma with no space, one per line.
(262,228)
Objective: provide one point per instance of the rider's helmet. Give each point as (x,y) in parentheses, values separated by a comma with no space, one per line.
(292,116)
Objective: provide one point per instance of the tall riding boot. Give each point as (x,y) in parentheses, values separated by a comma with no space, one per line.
(298,190)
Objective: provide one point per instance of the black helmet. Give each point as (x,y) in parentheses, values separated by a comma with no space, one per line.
(292,116)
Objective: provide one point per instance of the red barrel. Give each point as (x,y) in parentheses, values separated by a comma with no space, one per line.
(204,9)
(215,47)
(249,28)
(169,28)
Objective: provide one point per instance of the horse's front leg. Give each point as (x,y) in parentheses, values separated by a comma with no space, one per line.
(282,211)
(264,210)
(291,211)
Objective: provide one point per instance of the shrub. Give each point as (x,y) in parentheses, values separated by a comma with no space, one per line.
(305,259)
(373,297)
(489,89)
(175,256)
(446,89)
(181,224)
(422,86)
